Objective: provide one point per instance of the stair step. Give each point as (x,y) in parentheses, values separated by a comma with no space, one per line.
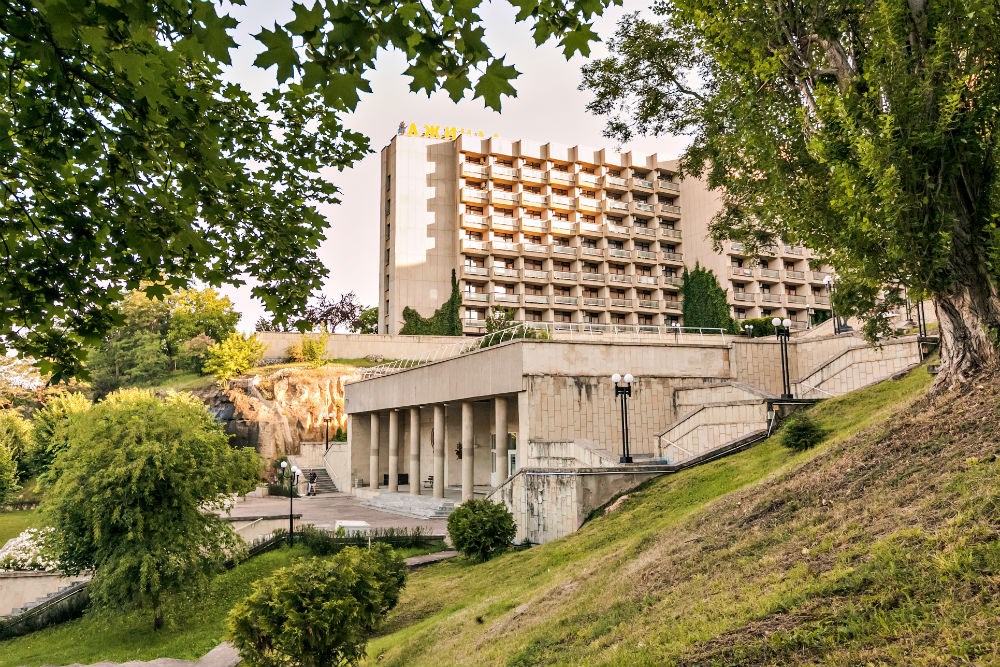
(324,483)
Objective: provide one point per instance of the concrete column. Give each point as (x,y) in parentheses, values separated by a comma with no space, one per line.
(393,451)
(373,453)
(414,451)
(468,456)
(439,451)
(500,428)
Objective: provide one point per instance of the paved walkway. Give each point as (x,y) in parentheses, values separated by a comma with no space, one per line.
(323,510)
(224,655)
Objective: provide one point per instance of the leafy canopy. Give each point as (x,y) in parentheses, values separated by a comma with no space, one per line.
(135,497)
(481,528)
(866,130)
(128,160)
(234,356)
(705,302)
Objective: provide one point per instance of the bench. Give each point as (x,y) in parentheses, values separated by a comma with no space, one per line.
(429,482)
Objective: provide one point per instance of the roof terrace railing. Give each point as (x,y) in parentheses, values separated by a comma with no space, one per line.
(553,331)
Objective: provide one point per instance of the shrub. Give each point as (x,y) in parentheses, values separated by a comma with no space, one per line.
(761,326)
(481,529)
(319,612)
(15,435)
(310,348)
(29,551)
(8,475)
(801,432)
(325,543)
(705,303)
(51,428)
(234,356)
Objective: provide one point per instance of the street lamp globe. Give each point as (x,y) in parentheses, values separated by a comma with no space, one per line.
(616,378)
(284,464)
(786,323)
(776,321)
(628,378)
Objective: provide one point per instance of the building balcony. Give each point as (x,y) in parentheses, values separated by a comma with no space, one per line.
(532,199)
(536,249)
(536,299)
(475,196)
(503,173)
(536,275)
(591,229)
(649,304)
(668,233)
(584,178)
(534,225)
(797,276)
(819,276)
(503,197)
(670,304)
(474,247)
(673,281)
(562,227)
(472,326)
(475,297)
(505,247)
(564,276)
(668,210)
(593,302)
(621,278)
(565,250)
(592,277)
(503,223)
(821,300)
(641,208)
(588,204)
(560,300)
(668,186)
(472,221)
(620,231)
(796,298)
(506,298)
(644,231)
(741,273)
(503,272)
(797,251)
(646,280)
(562,202)
(768,275)
(641,184)
(768,297)
(735,248)
(614,183)
(619,252)
(673,257)
(769,250)
(745,297)
(475,272)
(621,303)
(587,251)
(647,255)
(561,177)
(474,170)
(614,205)
(529,175)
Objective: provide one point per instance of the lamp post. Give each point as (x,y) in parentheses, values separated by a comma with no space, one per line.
(782,329)
(293,479)
(828,281)
(623,388)
(748,330)
(326,422)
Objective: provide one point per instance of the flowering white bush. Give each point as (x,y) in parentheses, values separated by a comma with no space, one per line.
(27,552)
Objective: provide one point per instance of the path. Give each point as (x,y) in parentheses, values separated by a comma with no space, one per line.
(224,655)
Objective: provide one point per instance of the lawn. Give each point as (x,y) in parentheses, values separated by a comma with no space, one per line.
(13,523)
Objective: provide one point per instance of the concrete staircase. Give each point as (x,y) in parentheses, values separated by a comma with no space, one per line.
(58,593)
(418,507)
(324,483)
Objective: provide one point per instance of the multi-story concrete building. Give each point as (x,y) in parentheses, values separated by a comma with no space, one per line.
(562,234)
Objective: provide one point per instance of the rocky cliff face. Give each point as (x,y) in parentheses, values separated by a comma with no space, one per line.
(276,412)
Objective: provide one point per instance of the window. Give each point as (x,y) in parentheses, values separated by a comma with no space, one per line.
(563,317)
(646,320)
(532,164)
(505,187)
(589,218)
(561,241)
(591,318)
(533,290)
(475,159)
(533,265)
(645,295)
(588,193)
(766,312)
(643,270)
(615,172)
(617,245)
(529,238)
(588,243)
(473,210)
(617,294)
(473,236)
(789,266)
(474,262)
(591,268)
(586,169)
(590,293)
(502,263)
(533,189)
(471,288)
(504,162)
(670,247)
(642,246)
(615,220)
(562,266)
(741,313)
(533,315)
(738,288)
(559,215)
(617,318)
(737,263)
(765,289)
(532,214)
(502,289)
(388,182)
(474,314)
(561,291)
(505,237)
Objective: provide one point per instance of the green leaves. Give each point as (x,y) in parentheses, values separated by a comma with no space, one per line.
(278,51)
(495,82)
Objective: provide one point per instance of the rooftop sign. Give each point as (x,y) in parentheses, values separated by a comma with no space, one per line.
(438,131)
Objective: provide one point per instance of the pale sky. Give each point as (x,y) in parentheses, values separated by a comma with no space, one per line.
(548,107)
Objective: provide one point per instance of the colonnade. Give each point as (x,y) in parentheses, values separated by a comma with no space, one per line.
(416,468)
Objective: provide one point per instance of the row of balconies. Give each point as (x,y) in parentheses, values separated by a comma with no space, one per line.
(544,226)
(532,300)
(774,275)
(557,176)
(534,275)
(735,248)
(772,298)
(474,247)
(565,203)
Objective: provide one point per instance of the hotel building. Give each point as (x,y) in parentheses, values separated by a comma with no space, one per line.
(564,235)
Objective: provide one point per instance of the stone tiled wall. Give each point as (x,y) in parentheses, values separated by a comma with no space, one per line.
(711,427)
(858,368)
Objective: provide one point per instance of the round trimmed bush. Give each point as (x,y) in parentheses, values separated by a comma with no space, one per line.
(801,432)
(481,529)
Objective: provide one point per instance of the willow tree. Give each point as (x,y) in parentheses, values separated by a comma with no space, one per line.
(865,129)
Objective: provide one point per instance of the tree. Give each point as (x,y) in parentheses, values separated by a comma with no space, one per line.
(367,322)
(130,158)
(15,436)
(319,612)
(705,303)
(326,315)
(234,356)
(444,322)
(51,429)
(8,474)
(865,130)
(136,495)
(481,528)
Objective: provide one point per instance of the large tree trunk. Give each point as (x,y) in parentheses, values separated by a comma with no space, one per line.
(969,320)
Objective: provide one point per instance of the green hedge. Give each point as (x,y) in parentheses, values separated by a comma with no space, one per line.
(705,303)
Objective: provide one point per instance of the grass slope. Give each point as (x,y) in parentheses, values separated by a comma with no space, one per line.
(14,523)
(880,546)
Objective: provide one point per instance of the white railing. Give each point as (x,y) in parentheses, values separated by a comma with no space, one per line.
(549,331)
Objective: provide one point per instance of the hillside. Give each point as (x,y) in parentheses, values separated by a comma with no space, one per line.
(880,546)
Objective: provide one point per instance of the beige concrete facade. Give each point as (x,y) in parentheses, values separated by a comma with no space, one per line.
(565,235)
